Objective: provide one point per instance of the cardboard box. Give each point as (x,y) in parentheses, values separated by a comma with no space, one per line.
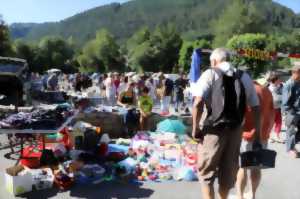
(18,183)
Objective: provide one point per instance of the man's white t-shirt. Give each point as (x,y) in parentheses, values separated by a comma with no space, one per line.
(151,88)
(122,87)
(110,87)
(204,85)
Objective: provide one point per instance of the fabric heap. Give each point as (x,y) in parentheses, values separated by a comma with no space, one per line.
(39,119)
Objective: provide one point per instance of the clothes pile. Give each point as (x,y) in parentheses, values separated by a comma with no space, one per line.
(38,119)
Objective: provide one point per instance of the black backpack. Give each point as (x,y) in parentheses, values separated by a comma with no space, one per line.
(227,108)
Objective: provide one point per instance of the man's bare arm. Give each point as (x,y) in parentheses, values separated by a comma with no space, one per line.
(197,114)
(257,122)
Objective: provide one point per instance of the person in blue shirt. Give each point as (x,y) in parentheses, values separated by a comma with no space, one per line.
(291,108)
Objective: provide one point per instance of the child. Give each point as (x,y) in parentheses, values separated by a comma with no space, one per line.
(145,104)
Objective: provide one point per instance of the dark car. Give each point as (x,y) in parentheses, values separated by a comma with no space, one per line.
(13,81)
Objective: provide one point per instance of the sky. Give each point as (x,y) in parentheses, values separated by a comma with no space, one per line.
(38,11)
(293,4)
(55,10)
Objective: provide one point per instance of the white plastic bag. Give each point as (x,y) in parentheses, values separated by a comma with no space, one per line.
(42,178)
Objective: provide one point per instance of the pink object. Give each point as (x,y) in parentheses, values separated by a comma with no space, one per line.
(278,122)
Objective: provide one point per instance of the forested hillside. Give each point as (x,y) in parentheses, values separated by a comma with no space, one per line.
(193,18)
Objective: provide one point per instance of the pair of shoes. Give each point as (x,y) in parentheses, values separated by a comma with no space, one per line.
(293,154)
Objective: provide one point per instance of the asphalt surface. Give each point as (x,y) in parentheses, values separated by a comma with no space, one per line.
(283,182)
(279,183)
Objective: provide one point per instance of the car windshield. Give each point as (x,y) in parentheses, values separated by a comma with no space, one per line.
(10,67)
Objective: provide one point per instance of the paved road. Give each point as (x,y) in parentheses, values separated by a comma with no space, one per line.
(280,183)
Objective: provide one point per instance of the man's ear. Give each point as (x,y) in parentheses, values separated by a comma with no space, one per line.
(213,63)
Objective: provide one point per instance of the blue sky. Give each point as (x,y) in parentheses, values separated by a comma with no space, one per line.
(45,10)
(294,4)
(55,10)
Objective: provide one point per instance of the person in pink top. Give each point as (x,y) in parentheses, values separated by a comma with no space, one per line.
(267,122)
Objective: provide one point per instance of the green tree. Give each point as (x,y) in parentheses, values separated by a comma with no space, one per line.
(54,52)
(101,54)
(141,53)
(166,42)
(238,18)
(27,52)
(158,51)
(284,43)
(186,52)
(5,44)
(138,38)
(250,41)
(145,58)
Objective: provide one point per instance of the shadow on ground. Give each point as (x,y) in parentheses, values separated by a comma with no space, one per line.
(103,191)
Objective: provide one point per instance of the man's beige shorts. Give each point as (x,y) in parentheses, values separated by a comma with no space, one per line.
(219,157)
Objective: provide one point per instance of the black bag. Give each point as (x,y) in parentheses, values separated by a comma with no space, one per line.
(262,159)
(132,117)
(79,142)
(90,140)
(227,108)
(48,158)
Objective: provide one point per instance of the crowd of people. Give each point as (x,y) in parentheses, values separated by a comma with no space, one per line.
(240,112)
(137,93)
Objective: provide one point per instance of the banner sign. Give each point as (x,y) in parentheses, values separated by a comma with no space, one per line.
(257,54)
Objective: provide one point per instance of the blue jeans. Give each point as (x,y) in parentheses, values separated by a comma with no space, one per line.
(292,137)
(165,103)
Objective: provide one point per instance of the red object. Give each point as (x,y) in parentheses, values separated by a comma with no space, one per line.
(116,156)
(152,177)
(103,149)
(31,157)
(63,185)
(117,83)
(66,138)
(191,159)
(267,115)
(278,122)
(141,178)
(297,56)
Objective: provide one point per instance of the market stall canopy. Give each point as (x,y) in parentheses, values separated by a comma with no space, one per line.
(130,74)
(172,77)
(54,70)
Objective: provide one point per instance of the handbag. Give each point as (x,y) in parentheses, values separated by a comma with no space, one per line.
(262,159)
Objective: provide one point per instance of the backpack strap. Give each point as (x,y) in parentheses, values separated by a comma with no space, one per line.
(239,74)
(242,97)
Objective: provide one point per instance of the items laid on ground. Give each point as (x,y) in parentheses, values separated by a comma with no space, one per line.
(41,118)
(86,156)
